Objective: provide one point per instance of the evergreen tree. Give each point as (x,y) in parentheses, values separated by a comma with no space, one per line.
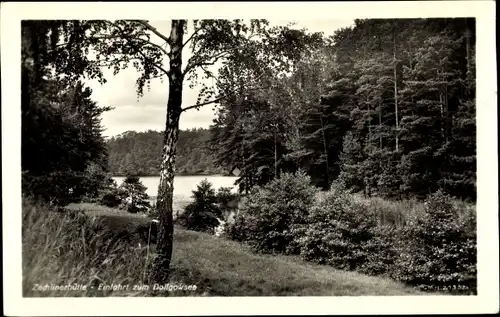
(203,214)
(135,197)
(63,153)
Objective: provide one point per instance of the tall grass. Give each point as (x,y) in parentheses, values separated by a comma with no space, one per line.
(396,213)
(68,247)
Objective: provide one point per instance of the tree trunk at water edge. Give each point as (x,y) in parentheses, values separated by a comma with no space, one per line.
(161,266)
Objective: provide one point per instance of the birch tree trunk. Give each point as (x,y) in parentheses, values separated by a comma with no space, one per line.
(161,266)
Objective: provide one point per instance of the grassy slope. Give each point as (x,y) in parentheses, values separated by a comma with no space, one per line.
(227,268)
(217,266)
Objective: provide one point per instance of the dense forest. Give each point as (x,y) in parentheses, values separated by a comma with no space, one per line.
(386,106)
(64,155)
(139,153)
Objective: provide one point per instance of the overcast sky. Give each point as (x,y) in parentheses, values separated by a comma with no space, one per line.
(148,112)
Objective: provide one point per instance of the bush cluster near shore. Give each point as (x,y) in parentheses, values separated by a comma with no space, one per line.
(432,247)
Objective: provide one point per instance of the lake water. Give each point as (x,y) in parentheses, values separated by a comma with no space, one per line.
(184,185)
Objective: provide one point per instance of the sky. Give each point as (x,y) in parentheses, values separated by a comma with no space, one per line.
(131,113)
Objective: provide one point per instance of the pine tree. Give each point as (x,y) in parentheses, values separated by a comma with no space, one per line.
(203,214)
(459,176)
(136,198)
(426,130)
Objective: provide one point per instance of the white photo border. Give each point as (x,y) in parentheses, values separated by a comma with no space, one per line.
(487,300)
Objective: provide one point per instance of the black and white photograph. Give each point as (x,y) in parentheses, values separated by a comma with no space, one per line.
(226,154)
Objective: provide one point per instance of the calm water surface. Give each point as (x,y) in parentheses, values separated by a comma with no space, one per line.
(183,185)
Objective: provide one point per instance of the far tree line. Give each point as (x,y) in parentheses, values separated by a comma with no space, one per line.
(139,153)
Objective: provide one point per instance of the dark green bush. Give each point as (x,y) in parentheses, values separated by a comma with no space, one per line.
(203,213)
(112,196)
(225,196)
(379,252)
(135,196)
(434,249)
(273,214)
(339,232)
(437,251)
(63,187)
(55,188)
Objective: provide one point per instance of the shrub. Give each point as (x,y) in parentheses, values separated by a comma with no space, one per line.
(227,202)
(379,251)
(338,232)
(273,214)
(63,187)
(112,196)
(57,188)
(438,250)
(242,229)
(225,196)
(202,214)
(136,199)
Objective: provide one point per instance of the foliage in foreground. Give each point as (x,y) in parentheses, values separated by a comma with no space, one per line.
(204,213)
(438,251)
(339,232)
(273,213)
(433,249)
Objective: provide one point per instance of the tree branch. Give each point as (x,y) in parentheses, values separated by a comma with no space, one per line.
(210,75)
(207,62)
(128,37)
(139,51)
(154,30)
(220,97)
(191,37)
(207,102)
